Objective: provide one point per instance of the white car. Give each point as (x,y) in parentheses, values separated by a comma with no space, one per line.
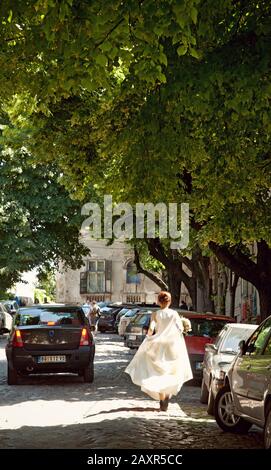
(5,319)
(125,320)
(218,358)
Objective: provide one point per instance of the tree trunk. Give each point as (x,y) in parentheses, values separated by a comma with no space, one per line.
(265,300)
(201,269)
(233,286)
(208,303)
(174,287)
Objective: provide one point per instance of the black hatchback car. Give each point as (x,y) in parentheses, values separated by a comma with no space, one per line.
(50,339)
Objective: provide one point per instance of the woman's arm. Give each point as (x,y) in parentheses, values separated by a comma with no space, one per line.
(152,325)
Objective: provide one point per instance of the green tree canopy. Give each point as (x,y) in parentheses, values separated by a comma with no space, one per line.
(39,223)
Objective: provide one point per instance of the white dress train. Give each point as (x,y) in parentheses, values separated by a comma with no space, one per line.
(161,364)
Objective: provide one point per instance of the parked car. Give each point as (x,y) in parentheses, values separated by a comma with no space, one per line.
(2,318)
(118,317)
(125,320)
(11,306)
(107,318)
(137,328)
(246,397)
(50,339)
(205,328)
(5,319)
(218,358)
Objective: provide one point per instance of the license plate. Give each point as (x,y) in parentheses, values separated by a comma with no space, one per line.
(46,359)
(199,365)
(132,337)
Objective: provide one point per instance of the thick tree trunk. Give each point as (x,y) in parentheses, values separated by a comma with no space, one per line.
(201,265)
(258,272)
(233,286)
(174,287)
(174,268)
(208,303)
(265,300)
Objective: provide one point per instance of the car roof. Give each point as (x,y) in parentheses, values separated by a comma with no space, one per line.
(241,325)
(205,316)
(44,306)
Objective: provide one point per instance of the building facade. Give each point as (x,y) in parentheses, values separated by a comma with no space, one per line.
(108,274)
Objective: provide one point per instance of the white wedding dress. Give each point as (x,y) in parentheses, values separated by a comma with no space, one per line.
(161,364)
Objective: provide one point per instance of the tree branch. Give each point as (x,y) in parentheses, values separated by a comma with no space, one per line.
(237,262)
(109,32)
(147,273)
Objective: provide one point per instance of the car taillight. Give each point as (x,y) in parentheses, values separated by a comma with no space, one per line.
(17,340)
(85,340)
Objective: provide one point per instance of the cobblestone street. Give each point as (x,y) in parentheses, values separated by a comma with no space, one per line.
(63,412)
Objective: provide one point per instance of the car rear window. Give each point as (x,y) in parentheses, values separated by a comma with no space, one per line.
(205,327)
(142,319)
(131,313)
(59,316)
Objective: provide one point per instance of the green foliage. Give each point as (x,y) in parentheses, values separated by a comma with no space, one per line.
(39,223)
(161,101)
(47,284)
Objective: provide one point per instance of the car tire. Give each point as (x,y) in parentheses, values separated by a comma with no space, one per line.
(88,373)
(204,392)
(225,419)
(267,429)
(211,402)
(12,376)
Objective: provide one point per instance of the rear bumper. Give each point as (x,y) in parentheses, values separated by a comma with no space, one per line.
(106,326)
(23,360)
(133,343)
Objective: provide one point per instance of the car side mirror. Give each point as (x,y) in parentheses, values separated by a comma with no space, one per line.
(242,347)
(210,347)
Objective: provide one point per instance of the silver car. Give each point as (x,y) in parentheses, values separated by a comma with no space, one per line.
(218,358)
(246,397)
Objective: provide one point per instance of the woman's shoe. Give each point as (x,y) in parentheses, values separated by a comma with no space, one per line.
(164,404)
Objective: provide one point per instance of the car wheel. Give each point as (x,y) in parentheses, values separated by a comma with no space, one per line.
(225,418)
(211,402)
(12,378)
(89,373)
(203,392)
(267,429)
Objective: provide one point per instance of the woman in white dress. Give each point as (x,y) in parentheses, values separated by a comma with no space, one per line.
(161,364)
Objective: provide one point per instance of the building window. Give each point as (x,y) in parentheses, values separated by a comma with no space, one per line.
(97,278)
(132,276)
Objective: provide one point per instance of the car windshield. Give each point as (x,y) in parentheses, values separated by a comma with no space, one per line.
(205,327)
(49,316)
(232,340)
